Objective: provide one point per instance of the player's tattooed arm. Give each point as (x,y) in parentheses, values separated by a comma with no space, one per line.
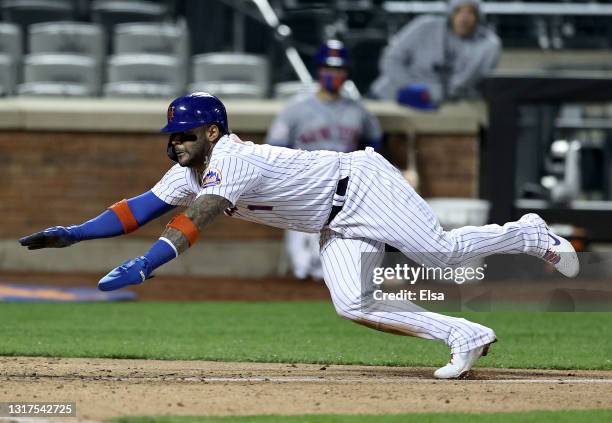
(203,211)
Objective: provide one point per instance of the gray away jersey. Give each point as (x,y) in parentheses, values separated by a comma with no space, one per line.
(276,186)
(310,124)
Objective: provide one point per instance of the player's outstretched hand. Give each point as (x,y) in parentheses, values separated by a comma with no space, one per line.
(132,272)
(55,237)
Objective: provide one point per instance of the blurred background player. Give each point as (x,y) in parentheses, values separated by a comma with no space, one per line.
(322,120)
(443,57)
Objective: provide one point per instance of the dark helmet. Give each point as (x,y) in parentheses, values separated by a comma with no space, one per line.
(195,110)
(192,111)
(332,53)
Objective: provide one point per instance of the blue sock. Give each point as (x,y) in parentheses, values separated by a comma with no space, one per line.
(161,252)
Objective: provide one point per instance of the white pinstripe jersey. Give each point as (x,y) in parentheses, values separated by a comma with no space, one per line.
(276,186)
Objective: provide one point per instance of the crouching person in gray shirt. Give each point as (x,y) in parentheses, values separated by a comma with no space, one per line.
(439,58)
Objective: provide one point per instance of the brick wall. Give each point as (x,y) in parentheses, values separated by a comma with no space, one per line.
(64,178)
(448,165)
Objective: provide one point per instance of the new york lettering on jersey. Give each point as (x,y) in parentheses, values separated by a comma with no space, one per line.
(311,124)
(338,135)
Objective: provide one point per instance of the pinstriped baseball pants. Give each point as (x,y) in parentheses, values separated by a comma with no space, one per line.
(381,207)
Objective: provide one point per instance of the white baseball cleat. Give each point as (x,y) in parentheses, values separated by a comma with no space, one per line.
(461,363)
(561,255)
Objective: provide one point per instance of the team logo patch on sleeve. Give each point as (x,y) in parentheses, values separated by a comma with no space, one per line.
(212,178)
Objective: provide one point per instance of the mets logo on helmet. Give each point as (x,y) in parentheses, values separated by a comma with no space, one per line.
(170,113)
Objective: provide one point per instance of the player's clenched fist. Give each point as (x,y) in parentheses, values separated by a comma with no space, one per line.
(55,237)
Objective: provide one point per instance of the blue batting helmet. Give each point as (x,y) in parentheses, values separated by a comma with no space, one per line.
(332,53)
(195,110)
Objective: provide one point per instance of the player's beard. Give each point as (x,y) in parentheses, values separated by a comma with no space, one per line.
(198,155)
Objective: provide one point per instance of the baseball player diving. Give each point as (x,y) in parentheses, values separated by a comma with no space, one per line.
(357,201)
(322,120)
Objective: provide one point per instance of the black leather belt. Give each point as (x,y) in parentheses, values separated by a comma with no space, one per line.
(339,198)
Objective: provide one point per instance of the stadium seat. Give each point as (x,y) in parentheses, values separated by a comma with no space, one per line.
(155,38)
(138,89)
(144,75)
(67,38)
(284,90)
(10,40)
(245,74)
(112,12)
(11,45)
(151,38)
(7,75)
(53,89)
(59,74)
(228,90)
(28,12)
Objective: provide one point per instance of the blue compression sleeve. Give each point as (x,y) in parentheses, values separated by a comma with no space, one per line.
(145,208)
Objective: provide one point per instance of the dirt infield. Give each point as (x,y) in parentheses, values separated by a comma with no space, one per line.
(104,388)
